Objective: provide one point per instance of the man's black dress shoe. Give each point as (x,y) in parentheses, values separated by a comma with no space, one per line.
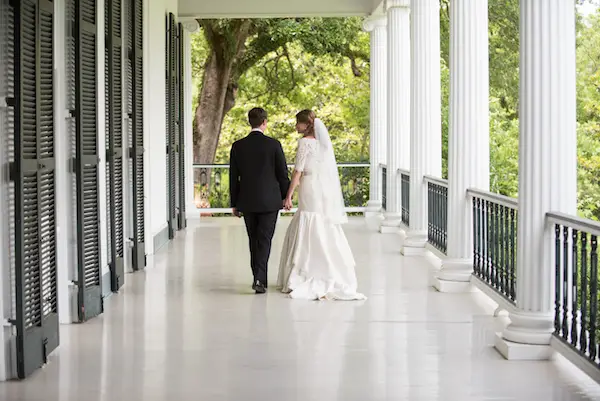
(259,287)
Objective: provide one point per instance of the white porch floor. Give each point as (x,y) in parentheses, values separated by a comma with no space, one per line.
(188,328)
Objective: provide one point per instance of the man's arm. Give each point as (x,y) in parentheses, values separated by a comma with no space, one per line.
(281,171)
(234,179)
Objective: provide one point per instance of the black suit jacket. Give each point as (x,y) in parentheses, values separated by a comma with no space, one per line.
(258,176)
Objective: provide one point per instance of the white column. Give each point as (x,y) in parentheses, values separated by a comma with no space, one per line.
(398,126)
(468,139)
(189,27)
(376,25)
(426,120)
(547,167)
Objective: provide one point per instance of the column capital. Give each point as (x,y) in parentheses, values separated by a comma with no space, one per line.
(191,26)
(396,4)
(375,21)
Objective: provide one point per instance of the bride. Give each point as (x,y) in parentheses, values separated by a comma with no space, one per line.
(316,260)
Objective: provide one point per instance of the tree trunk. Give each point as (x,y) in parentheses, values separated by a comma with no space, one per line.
(211,103)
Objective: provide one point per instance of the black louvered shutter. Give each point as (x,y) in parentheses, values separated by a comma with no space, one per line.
(171,109)
(114,141)
(86,162)
(30,103)
(136,131)
(182,221)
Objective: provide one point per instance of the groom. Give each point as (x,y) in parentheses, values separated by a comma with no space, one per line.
(258,183)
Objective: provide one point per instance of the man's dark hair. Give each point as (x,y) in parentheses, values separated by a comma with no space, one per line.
(256,117)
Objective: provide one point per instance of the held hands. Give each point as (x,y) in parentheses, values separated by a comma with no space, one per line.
(287,204)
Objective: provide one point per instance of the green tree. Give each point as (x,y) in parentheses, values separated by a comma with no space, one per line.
(231,47)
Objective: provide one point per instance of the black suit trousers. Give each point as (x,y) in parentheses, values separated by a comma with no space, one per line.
(261,228)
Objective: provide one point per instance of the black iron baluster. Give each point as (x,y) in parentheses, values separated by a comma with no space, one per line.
(584,292)
(408,200)
(513,257)
(502,250)
(429,213)
(436,214)
(475,255)
(506,242)
(479,237)
(495,244)
(384,188)
(445,208)
(436,236)
(492,257)
(593,297)
(485,241)
(574,308)
(565,283)
(557,270)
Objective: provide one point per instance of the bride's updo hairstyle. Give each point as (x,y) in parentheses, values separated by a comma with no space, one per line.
(307,117)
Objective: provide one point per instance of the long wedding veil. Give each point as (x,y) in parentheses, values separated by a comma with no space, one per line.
(329,179)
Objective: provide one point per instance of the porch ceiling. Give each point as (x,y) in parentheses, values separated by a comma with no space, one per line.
(275,8)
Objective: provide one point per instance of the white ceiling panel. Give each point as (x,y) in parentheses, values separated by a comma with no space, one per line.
(275,8)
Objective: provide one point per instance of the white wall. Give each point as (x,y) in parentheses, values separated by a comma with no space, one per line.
(5,287)
(155,157)
(101,113)
(66,251)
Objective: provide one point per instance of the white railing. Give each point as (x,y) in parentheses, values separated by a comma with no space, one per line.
(494,198)
(214,187)
(575,264)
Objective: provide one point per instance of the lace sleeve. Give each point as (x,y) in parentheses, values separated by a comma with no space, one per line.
(301,155)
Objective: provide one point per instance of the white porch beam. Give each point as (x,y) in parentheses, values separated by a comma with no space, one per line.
(547,168)
(398,115)
(274,8)
(468,138)
(426,120)
(376,26)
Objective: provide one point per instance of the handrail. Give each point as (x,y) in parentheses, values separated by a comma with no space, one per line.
(493,197)
(226,166)
(436,180)
(574,222)
(403,171)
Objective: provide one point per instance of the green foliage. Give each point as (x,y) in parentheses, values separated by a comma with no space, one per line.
(325,84)
(323,65)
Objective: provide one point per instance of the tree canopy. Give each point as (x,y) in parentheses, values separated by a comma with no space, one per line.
(286,65)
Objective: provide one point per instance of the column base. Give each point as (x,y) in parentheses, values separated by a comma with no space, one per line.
(374,207)
(389,229)
(373,220)
(456,270)
(391,223)
(529,328)
(414,244)
(451,287)
(522,352)
(454,276)
(371,214)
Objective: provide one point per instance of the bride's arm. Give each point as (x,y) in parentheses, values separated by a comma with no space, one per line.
(295,182)
(301,155)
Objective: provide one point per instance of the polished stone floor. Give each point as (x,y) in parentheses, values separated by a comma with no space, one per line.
(188,328)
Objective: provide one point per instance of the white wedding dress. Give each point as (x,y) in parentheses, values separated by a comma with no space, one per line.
(316,260)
